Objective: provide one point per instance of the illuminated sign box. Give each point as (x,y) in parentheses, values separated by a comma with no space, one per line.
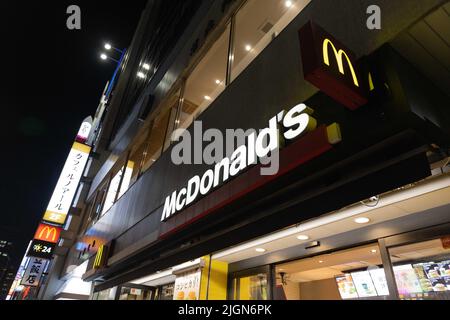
(47,233)
(41,249)
(331,67)
(67,185)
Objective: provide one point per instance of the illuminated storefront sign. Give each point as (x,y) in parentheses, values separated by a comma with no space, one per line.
(67,185)
(48,233)
(33,273)
(294,123)
(331,67)
(101,257)
(41,249)
(84,132)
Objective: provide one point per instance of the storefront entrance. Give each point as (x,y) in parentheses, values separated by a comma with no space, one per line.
(409,266)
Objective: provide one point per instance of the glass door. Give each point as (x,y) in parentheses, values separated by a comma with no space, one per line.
(251,285)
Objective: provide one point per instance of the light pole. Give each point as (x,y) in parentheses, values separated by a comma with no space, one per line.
(105,57)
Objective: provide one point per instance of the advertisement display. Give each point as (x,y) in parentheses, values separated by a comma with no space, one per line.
(187,286)
(379,280)
(67,185)
(33,272)
(346,287)
(437,281)
(407,281)
(364,284)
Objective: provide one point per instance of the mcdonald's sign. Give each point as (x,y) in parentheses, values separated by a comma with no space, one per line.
(47,233)
(101,257)
(331,67)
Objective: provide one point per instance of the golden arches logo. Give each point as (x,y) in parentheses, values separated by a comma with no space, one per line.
(339,58)
(99,258)
(47,233)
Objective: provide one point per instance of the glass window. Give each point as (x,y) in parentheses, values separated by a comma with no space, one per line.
(352,274)
(206,82)
(99,200)
(422,270)
(136,157)
(257,25)
(156,139)
(253,287)
(174,103)
(132,293)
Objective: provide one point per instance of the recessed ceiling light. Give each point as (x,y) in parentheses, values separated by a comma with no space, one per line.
(260,250)
(362,220)
(141,75)
(288,3)
(146,66)
(374,251)
(320,261)
(217,81)
(248,47)
(281,269)
(207,98)
(303,237)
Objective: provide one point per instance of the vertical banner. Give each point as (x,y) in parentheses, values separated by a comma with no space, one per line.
(67,185)
(187,286)
(33,273)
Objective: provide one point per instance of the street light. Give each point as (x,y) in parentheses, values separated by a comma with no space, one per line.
(105,57)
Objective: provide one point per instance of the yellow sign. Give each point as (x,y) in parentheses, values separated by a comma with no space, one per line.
(54,217)
(99,258)
(339,55)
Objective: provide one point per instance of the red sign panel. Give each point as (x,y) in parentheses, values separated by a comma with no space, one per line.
(47,233)
(331,67)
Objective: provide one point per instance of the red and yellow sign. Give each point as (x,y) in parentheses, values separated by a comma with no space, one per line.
(47,233)
(331,67)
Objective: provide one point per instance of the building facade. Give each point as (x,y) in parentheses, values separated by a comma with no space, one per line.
(358,205)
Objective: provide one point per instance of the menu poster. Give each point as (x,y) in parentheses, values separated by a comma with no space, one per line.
(433,273)
(425,283)
(407,281)
(444,269)
(379,280)
(364,284)
(346,287)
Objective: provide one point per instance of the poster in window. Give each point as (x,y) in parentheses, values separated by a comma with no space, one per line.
(187,286)
(346,287)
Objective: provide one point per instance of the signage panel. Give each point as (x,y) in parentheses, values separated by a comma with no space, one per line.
(33,273)
(41,249)
(48,233)
(67,185)
(331,67)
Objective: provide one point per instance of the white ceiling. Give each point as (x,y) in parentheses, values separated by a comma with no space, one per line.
(381,213)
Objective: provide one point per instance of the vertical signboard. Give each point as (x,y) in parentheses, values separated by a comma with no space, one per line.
(67,185)
(33,272)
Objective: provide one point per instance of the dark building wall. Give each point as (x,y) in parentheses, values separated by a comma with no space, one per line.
(273,81)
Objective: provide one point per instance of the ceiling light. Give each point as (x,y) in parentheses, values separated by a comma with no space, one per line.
(374,251)
(362,220)
(108,46)
(103,56)
(141,75)
(260,250)
(146,66)
(248,47)
(303,237)
(288,4)
(217,81)
(207,98)
(321,261)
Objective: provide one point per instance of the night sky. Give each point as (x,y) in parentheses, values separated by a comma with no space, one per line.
(54,79)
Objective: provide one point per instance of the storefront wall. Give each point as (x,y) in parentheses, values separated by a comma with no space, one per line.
(274,81)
